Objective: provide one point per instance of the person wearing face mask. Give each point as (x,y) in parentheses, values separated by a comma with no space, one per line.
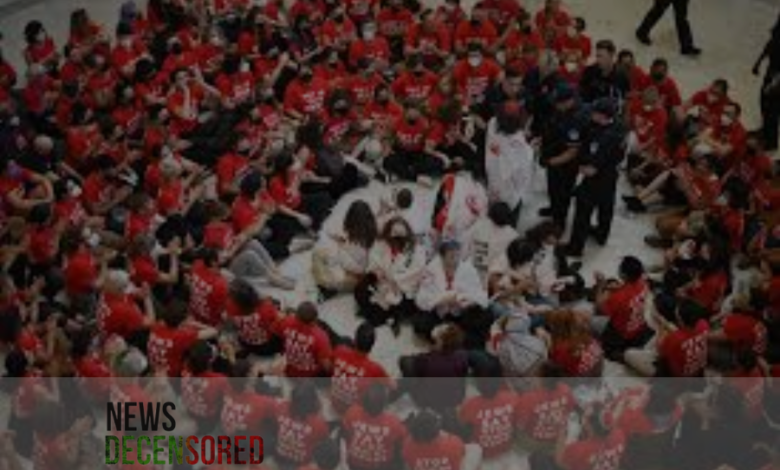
(410,160)
(127,51)
(210,53)
(430,38)
(236,83)
(416,83)
(552,20)
(475,75)
(40,49)
(575,42)
(361,11)
(706,106)
(305,95)
(393,23)
(666,85)
(338,31)
(314,10)
(362,85)
(638,78)
(570,68)
(600,155)
(727,138)
(648,121)
(603,79)
(382,111)
(395,268)
(477,30)
(371,46)
(451,14)
(684,34)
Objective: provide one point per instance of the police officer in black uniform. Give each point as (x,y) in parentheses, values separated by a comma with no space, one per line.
(600,155)
(561,139)
(770,90)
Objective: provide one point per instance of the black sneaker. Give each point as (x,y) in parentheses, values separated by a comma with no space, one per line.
(634,204)
(644,38)
(545,212)
(692,51)
(571,252)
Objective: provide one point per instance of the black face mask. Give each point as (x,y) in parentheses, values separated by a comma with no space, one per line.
(341,111)
(383,99)
(306,76)
(658,77)
(419,73)
(339,18)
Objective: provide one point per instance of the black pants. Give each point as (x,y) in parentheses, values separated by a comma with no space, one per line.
(409,166)
(684,33)
(770,111)
(594,196)
(560,187)
(376,315)
(474,321)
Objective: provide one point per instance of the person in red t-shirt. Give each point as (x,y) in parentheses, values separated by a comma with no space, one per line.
(575,44)
(490,416)
(255,319)
(427,442)
(475,75)
(383,112)
(552,20)
(117,311)
(648,120)
(307,347)
(542,414)
(680,346)
(477,31)
(638,78)
(203,391)
(301,427)
(305,95)
(245,410)
(91,370)
(171,338)
(371,46)
(574,349)
(416,83)
(393,22)
(598,449)
(81,269)
(354,370)
(410,159)
(622,306)
(667,86)
(430,38)
(40,49)
(373,436)
(208,288)
(742,331)
(338,32)
(706,106)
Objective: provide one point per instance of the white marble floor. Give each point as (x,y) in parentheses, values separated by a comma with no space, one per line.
(731,32)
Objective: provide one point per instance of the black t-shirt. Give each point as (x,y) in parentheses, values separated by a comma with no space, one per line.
(595,84)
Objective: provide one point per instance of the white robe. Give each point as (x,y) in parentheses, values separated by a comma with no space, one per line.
(509,164)
(467,203)
(337,260)
(466,285)
(487,243)
(402,273)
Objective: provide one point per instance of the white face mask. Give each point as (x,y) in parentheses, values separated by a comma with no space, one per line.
(726,120)
(648,108)
(126,42)
(261,3)
(475,61)
(369,34)
(245,67)
(571,66)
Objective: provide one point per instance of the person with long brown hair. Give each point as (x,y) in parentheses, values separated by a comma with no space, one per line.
(573,349)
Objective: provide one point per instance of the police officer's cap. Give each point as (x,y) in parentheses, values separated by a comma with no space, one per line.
(565,93)
(606,107)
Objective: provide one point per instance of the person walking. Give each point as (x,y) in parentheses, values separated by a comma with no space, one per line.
(684,33)
(770,90)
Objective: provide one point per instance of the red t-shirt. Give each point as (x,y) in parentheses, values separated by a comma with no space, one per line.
(203,394)
(410,86)
(709,110)
(446,452)
(81,273)
(306,98)
(94,376)
(167,347)
(582,360)
(378,50)
(392,23)
(284,192)
(710,291)
(669,91)
(428,40)
(118,314)
(579,45)
(335,34)
(501,12)
(39,53)
(298,437)
(746,333)
(245,411)
(592,454)
(231,167)
(218,235)
(473,82)
(492,421)
(649,125)
(383,116)
(686,350)
(625,309)
(362,87)
(372,441)
(484,34)
(360,10)
(411,137)
(543,414)
(144,271)
(350,368)
(257,328)
(305,347)
(236,89)
(208,293)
